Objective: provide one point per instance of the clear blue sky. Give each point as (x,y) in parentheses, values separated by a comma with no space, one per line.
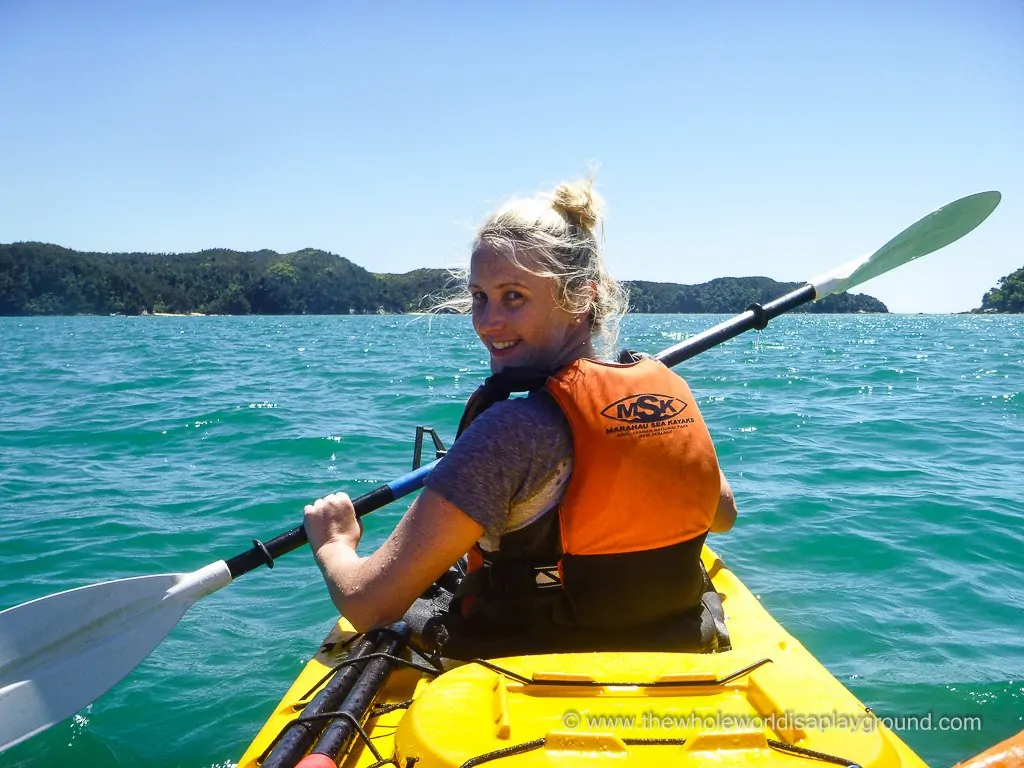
(771,138)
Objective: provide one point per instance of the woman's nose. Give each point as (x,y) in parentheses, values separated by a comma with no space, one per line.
(490,317)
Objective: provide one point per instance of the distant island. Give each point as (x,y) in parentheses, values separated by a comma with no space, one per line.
(44,279)
(1006,297)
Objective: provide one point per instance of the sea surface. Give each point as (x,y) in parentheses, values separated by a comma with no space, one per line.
(877,460)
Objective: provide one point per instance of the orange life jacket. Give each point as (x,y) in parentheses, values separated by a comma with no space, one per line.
(623,547)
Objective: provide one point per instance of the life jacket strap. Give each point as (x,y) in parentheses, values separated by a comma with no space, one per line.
(545,576)
(498,387)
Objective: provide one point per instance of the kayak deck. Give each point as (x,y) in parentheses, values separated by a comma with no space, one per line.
(767,701)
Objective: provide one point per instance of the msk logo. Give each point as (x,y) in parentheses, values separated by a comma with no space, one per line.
(648,409)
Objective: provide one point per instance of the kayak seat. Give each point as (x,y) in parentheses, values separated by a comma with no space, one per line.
(441,632)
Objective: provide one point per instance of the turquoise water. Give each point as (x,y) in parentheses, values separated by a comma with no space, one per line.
(877,462)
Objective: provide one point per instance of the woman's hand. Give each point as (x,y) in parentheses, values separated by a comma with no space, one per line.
(331,520)
(372,591)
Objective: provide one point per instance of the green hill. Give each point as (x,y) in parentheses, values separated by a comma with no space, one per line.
(43,279)
(1007,296)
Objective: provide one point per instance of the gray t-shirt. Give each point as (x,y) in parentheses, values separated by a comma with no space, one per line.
(509,467)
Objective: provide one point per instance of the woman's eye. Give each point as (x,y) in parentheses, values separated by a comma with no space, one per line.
(479,297)
(513,296)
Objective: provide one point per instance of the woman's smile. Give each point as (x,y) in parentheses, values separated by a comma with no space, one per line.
(519,317)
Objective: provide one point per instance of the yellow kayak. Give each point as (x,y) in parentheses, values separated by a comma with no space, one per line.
(767,701)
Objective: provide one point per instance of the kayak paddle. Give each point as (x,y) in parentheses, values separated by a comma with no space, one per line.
(936,230)
(60,653)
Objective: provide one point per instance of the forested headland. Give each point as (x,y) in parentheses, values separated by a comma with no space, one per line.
(1007,296)
(44,279)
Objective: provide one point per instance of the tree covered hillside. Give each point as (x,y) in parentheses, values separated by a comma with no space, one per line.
(729,295)
(1007,296)
(43,279)
(40,279)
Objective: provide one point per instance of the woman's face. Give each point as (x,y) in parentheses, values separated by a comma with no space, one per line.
(517,316)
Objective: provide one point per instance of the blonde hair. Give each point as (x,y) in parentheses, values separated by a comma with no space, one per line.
(558,235)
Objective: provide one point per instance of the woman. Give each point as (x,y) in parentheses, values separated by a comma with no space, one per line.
(583,506)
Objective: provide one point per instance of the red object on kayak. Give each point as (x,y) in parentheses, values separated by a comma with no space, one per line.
(315,760)
(1005,754)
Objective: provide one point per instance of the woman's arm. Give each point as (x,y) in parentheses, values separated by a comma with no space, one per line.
(372,591)
(725,515)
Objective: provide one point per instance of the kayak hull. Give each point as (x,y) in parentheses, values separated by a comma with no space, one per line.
(767,701)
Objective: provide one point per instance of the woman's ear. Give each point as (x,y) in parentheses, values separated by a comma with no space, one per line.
(588,292)
(591,286)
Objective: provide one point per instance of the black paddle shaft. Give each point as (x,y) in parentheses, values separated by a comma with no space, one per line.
(756,316)
(265,553)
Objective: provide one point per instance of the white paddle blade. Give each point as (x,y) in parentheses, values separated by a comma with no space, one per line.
(60,653)
(936,230)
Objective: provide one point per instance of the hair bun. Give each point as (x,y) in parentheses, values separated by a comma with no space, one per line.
(579,201)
